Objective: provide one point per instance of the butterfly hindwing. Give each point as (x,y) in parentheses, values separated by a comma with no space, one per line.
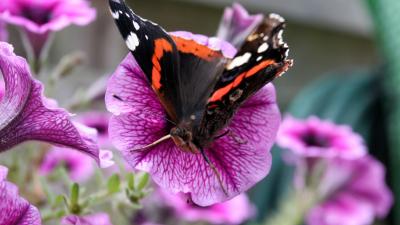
(155,52)
(261,58)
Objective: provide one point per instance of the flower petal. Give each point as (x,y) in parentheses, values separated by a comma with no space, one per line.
(15,210)
(62,13)
(343,210)
(26,115)
(139,121)
(93,219)
(236,24)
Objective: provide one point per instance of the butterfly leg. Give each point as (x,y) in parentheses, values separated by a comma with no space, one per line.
(235,137)
(203,153)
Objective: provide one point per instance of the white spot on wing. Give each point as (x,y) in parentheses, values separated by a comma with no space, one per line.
(262,48)
(147,37)
(127,15)
(136,25)
(115,15)
(132,41)
(239,60)
(276,17)
(259,58)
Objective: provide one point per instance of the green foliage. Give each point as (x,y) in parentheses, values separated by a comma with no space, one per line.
(386,17)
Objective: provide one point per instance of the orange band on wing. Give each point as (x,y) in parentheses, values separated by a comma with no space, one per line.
(220,93)
(192,47)
(160,46)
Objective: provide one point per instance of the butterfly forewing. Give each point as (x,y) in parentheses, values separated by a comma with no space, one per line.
(200,69)
(262,57)
(155,52)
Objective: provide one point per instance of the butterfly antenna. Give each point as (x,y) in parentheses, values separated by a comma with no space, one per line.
(203,153)
(166,137)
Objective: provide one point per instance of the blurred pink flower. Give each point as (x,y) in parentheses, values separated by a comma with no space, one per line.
(14,210)
(236,24)
(93,219)
(234,211)
(25,114)
(354,193)
(41,17)
(79,166)
(317,138)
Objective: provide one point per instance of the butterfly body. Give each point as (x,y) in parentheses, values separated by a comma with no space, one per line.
(199,86)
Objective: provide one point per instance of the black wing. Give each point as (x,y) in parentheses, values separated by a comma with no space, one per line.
(261,58)
(200,69)
(155,52)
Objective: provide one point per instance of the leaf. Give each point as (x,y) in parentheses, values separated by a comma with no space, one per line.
(143,181)
(74,197)
(113,184)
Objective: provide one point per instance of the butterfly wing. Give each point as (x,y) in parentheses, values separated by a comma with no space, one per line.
(155,52)
(200,68)
(262,57)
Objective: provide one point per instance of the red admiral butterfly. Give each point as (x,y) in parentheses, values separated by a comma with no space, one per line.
(199,88)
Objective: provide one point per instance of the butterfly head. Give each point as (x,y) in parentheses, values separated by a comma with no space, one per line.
(183,138)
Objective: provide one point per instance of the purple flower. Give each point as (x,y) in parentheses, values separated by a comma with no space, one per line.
(234,211)
(78,165)
(14,210)
(93,219)
(236,24)
(140,119)
(41,17)
(25,114)
(316,138)
(354,193)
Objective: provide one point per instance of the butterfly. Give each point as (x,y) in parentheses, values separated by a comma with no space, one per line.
(199,88)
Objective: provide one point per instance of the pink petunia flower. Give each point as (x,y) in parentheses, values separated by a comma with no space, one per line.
(316,138)
(351,184)
(234,211)
(41,17)
(14,210)
(140,119)
(79,166)
(25,114)
(354,193)
(236,24)
(93,219)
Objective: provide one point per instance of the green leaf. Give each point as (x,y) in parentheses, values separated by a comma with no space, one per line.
(113,184)
(130,177)
(74,197)
(143,181)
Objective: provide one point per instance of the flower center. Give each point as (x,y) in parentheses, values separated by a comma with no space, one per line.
(102,129)
(39,15)
(313,140)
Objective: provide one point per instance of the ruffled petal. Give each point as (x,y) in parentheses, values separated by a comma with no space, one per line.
(61,13)
(15,210)
(26,115)
(343,210)
(236,24)
(242,158)
(93,219)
